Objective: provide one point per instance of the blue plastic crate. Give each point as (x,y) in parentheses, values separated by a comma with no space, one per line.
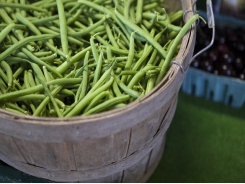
(227,90)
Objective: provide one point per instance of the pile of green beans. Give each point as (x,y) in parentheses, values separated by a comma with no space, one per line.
(64,58)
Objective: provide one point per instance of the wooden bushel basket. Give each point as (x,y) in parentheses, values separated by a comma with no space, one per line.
(123,145)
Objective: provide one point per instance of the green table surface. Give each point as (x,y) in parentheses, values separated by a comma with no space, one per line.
(205,143)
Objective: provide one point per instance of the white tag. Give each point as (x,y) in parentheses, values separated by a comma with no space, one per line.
(210,14)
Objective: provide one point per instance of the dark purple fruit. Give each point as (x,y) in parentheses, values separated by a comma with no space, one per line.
(213,55)
(226,69)
(207,66)
(238,64)
(195,63)
(226,57)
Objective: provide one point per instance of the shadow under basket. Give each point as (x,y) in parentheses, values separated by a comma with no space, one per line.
(123,145)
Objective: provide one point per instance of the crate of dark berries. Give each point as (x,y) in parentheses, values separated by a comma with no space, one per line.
(219,73)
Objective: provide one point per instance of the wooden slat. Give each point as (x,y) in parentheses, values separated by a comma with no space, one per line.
(9,148)
(114,178)
(135,172)
(170,113)
(156,153)
(23,149)
(145,131)
(90,154)
(52,156)
(68,149)
(155,157)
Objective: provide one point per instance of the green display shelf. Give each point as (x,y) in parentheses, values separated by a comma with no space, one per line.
(205,143)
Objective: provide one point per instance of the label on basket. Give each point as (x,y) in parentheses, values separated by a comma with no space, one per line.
(210,14)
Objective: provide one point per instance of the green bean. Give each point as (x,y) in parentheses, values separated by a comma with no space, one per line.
(109,53)
(130,56)
(83,87)
(98,69)
(132,14)
(70,39)
(81,104)
(116,90)
(144,56)
(102,79)
(16,107)
(107,104)
(80,25)
(3,76)
(60,103)
(41,106)
(139,75)
(50,96)
(15,94)
(127,7)
(66,64)
(149,15)
(67,92)
(28,97)
(176,16)
(89,29)
(46,74)
(121,51)
(101,40)
(8,71)
(139,9)
(126,89)
(31,79)
(147,44)
(49,58)
(37,54)
(39,88)
(6,31)
(179,37)
(63,26)
(45,20)
(94,49)
(150,6)
(170,26)
(65,81)
(73,18)
(22,6)
(104,10)
(16,26)
(128,72)
(18,33)
(26,81)
(96,100)
(118,106)
(120,44)
(110,35)
(23,42)
(14,111)
(119,32)
(3,87)
(40,62)
(134,27)
(19,70)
